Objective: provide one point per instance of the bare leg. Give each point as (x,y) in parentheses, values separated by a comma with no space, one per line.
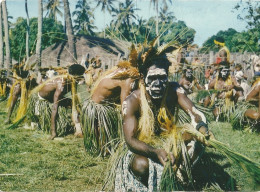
(207,101)
(140,168)
(252,114)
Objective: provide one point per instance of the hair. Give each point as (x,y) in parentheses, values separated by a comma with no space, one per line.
(220,39)
(76,70)
(224,64)
(152,58)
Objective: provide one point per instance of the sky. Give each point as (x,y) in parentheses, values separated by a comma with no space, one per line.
(207,17)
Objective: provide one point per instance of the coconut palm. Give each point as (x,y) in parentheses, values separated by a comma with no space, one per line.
(166,16)
(105,5)
(1,40)
(124,16)
(27,31)
(7,40)
(39,36)
(84,22)
(156,6)
(53,8)
(69,30)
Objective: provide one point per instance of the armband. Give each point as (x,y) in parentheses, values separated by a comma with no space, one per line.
(200,124)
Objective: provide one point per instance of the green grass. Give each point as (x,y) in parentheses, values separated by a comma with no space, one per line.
(64,165)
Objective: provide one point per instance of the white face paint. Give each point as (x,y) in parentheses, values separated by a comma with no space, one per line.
(50,73)
(156,82)
(188,73)
(124,108)
(224,73)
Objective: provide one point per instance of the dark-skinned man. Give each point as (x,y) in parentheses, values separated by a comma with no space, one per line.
(148,115)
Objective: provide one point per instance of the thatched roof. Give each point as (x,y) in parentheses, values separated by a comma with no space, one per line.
(107,50)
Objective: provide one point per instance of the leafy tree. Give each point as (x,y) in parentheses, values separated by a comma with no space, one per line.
(235,41)
(52,33)
(252,16)
(209,45)
(84,22)
(1,40)
(106,5)
(123,19)
(53,8)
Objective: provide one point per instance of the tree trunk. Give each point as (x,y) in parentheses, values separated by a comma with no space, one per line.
(69,29)
(157,23)
(27,32)
(7,40)
(39,36)
(1,40)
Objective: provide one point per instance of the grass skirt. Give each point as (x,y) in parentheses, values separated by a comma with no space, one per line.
(39,112)
(238,119)
(102,127)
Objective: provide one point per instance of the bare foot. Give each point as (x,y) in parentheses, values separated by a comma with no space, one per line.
(79,135)
(52,137)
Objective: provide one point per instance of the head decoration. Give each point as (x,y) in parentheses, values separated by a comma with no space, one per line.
(219,41)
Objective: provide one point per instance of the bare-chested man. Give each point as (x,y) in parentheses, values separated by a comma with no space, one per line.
(54,92)
(254,96)
(19,76)
(226,85)
(188,82)
(147,113)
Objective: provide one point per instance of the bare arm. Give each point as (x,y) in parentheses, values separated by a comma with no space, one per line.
(130,110)
(126,89)
(212,84)
(198,119)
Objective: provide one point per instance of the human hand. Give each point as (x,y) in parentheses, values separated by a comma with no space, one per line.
(163,156)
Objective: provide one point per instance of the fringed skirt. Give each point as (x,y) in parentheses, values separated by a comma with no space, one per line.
(238,119)
(125,180)
(39,112)
(102,127)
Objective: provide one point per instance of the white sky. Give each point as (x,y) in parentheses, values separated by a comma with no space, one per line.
(207,17)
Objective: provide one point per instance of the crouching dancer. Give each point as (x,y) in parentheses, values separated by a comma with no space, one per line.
(150,130)
(54,90)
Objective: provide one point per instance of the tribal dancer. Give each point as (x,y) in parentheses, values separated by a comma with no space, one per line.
(223,53)
(101,117)
(53,90)
(150,132)
(226,92)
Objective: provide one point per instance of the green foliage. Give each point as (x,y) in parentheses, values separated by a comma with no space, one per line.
(84,22)
(235,41)
(52,33)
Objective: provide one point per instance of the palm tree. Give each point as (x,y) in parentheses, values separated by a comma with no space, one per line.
(7,40)
(105,5)
(1,40)
(69,30)
(166,16)
(84,22)
(39,36)
(124,17)
(52,8)
(27,31)
(156,6)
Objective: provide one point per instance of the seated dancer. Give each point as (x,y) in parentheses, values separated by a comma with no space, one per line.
(110,90)
(227,91)
(188,82)
(254,96)
(223,53)
(53,90)
(23,82)
(149,126)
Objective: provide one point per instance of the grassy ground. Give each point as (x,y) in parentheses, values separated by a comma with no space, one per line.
(63,165)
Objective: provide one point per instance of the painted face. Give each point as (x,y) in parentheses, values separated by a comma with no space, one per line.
(224,73)
(188,73)
(156,81)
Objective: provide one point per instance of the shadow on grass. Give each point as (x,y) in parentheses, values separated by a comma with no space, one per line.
(208,174)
